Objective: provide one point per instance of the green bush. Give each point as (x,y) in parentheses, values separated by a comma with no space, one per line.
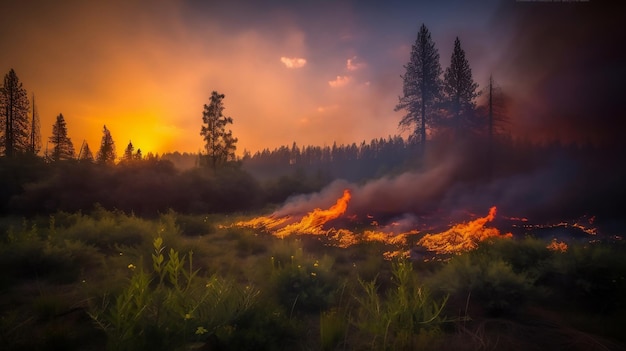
(300,283)
(593,276)
(405,317)
(169,305)
(489,280)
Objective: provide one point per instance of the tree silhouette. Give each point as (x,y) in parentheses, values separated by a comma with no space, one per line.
(14,115)
(219,144)
(63,148)
(106,155)
(34,145)
(138,155)
(86,154)
(460,89)
(421,85)
(128,152)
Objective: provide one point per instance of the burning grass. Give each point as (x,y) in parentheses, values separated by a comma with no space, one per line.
(459,238)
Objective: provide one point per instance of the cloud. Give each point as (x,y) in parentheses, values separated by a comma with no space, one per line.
(354,63)
(339,81)
(293,62)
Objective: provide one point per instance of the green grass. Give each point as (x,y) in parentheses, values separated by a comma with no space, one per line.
(110,280)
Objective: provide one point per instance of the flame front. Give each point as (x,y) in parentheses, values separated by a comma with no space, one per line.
(312,223)
(459,238)
(462,237)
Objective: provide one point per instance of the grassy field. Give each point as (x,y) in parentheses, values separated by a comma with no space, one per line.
(113,281)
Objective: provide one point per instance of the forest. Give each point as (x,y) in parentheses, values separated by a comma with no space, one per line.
(260,251)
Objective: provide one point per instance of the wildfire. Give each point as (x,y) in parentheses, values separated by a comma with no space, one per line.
(313,224)
(462,237)
(558,246)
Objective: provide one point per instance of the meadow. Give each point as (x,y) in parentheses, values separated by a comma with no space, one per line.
(109,280)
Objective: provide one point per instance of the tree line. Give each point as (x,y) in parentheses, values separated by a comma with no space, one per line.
(20,132)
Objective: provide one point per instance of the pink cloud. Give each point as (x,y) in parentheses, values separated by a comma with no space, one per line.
(339,81)
(293,62)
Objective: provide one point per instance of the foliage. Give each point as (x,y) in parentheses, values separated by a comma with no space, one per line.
(129,152)
(63,148)
(460,90)
(594,276)
(14,107)
(487,278)
(421,85)
(301,283)
(404,317)
(86,154)
(106,154)
(170,305)
(219,144)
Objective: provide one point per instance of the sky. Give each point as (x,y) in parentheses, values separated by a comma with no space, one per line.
(310,72)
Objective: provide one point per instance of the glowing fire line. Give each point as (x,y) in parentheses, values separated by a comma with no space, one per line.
(461,237)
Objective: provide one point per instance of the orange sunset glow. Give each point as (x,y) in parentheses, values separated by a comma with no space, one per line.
(145,69)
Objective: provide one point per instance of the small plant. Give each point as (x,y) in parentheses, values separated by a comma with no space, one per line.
(488,279)
(400,318)
(170,305)
(303,284)
(333,328)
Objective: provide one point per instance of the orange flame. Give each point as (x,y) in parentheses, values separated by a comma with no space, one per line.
(558,246)
(462,237)
(312,223)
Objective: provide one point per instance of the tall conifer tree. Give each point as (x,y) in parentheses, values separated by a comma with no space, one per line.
(460,89)
(62,149)
(421,88)
(106,154)
(14,116)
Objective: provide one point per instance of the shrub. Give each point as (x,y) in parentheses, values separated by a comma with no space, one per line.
(404,317)
(170,306)
(300,283)
(489,280)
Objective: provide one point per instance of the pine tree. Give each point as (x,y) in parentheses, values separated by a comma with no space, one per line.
(460,89)
(14,116)
(63,148)
(86,154)
(421,86)
(35,132)
(106,155)
(219,144)
(138,156)
(128,152)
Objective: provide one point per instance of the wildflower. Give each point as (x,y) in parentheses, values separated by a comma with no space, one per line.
(316,264)
(313,274)
(132,267)
(201,330)
(187,316)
